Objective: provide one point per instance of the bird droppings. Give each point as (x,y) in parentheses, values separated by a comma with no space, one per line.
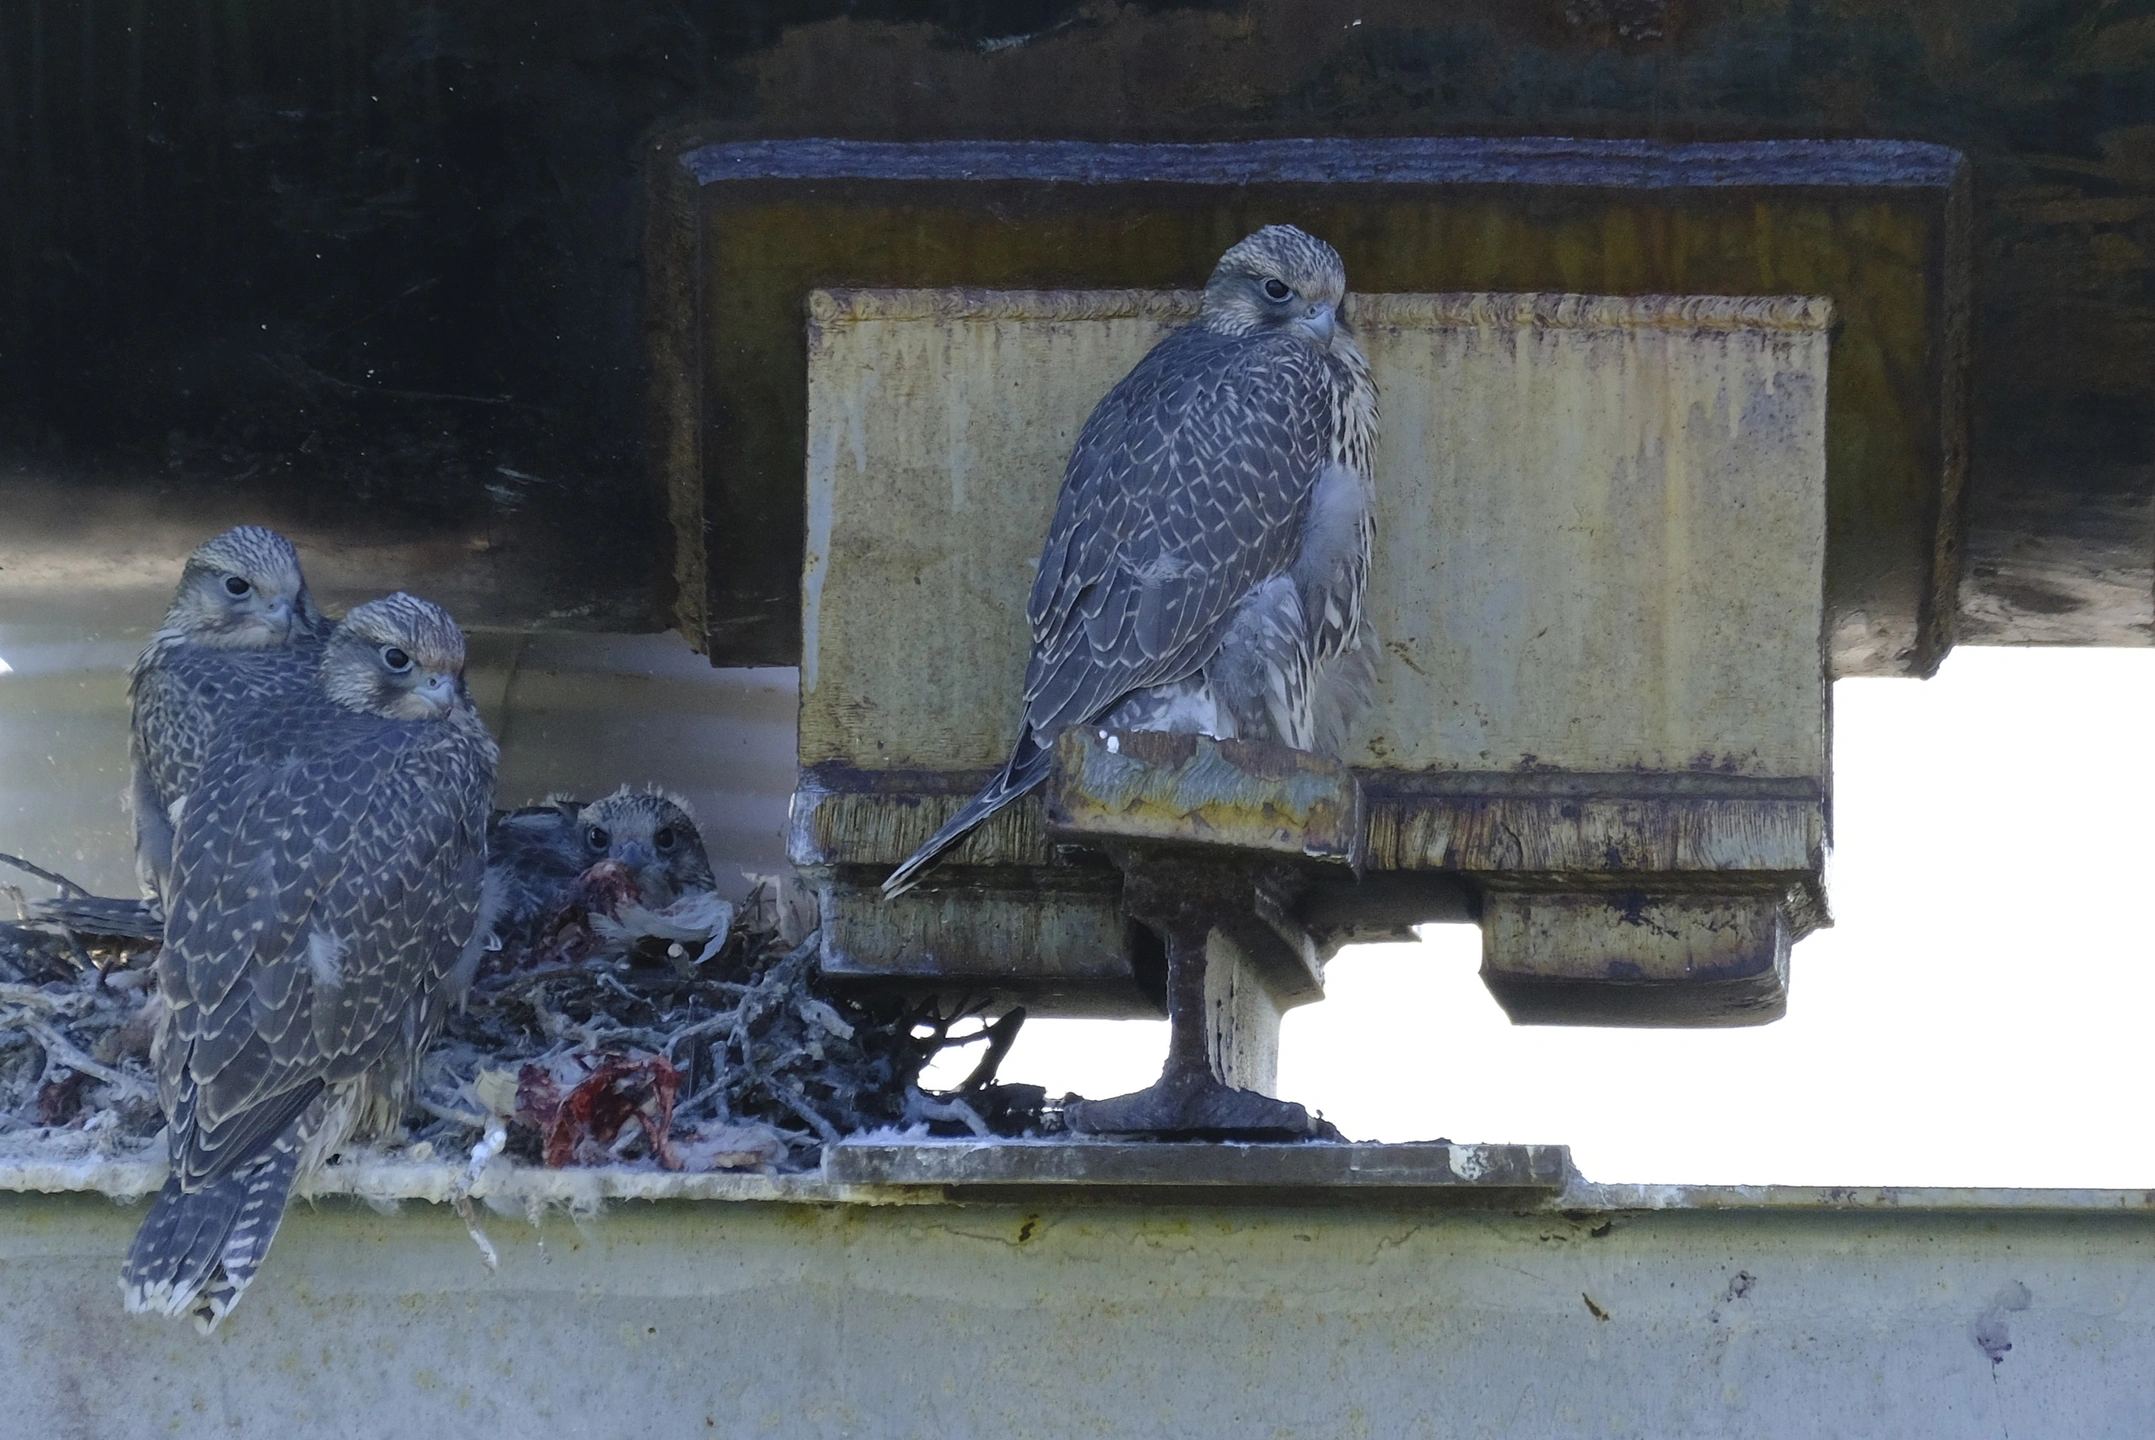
(1991,1332)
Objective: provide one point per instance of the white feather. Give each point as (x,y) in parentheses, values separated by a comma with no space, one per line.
(325,959)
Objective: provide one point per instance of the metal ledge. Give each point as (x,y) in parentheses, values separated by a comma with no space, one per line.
(892,1170)
(1170,1166)
(1451,160)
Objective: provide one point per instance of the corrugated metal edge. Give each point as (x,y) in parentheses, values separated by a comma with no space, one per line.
(1447,310)
(1400,160)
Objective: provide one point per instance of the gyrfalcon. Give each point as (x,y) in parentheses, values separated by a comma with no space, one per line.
(326,907)
(1205,568)
(241,632)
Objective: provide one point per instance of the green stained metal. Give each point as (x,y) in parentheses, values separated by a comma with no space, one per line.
(1191,788)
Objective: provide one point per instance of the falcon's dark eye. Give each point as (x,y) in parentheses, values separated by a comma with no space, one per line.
(235,585)
(596,837)
(1276,291)
(397,661)
(664,838)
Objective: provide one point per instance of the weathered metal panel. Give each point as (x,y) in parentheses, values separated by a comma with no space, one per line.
(1664,1313)
(1601,524)
(1878,227)
(1559,824)
(1192,789)
(1055,943)
(1204,1165)
(938,426)
(1602,527)
(1633,957)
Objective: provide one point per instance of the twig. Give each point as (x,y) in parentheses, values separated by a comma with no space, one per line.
(45,875)
(58,1048)
(795,1101)
(468,1119)
(29,995)
(1002,1034)
(917,1102)
(701,1028)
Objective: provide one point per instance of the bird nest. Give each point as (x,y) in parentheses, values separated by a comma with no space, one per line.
(699,1037)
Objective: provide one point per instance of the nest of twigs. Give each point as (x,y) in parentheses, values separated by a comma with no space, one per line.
(679,1051)
(748,1060)
(75,1031)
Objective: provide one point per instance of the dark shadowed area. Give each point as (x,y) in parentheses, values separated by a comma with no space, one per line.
(380,258)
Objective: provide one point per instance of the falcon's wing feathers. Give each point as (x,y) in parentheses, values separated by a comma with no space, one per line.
(181,694)
(164,722)
(1185,489)
(316,886)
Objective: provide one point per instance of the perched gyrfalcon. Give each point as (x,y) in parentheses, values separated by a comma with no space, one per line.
(1205,568)
(242,632)
(326,907)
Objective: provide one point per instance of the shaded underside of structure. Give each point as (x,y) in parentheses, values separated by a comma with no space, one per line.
(377,270)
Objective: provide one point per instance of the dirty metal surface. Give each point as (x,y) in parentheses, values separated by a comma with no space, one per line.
(1782,1315)
(1637,588)
(1192,789)
(1565,824)
(1880,228)
(1632,957)
(1600,664)
(1056,943)
(1171,1165)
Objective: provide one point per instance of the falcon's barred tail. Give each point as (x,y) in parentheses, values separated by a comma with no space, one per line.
(1027,768)
(197,1250)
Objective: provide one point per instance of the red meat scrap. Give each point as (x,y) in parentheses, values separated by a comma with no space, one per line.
(591,1107)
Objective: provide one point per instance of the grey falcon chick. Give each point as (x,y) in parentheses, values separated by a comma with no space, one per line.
(242,631)
(1206,565)
(327,907)
(538,852)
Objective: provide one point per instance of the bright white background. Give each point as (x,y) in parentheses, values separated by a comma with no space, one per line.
(1982,1012)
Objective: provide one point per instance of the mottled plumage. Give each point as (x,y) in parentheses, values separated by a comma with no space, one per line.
(538,852)
(325,909)
(242,631)
(1205,567)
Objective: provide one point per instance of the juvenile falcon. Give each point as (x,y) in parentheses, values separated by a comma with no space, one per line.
(326,908)
(241,632)
(537,853)
(1205,567)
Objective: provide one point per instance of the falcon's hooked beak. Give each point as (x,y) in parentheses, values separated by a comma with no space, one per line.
(1318,324)
(437,692)
(642,861)
(279,616)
